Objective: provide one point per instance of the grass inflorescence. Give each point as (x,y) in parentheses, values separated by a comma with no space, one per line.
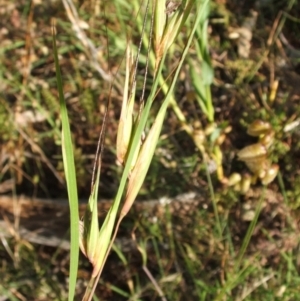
(178,84)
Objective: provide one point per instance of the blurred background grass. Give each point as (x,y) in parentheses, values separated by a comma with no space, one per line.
(195,264)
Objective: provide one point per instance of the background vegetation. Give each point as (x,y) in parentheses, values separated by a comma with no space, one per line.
(191,255)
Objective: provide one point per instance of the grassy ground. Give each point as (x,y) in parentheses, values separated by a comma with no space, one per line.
(191,257)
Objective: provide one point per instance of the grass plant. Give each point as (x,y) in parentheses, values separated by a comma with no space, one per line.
(167,82)
(135,157)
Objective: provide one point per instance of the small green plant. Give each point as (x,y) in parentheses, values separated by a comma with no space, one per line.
(133,152)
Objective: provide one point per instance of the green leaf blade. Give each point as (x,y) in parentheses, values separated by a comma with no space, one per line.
(69,167)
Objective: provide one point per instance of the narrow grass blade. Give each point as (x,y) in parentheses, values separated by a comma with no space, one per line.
(250,230)
(69,167)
